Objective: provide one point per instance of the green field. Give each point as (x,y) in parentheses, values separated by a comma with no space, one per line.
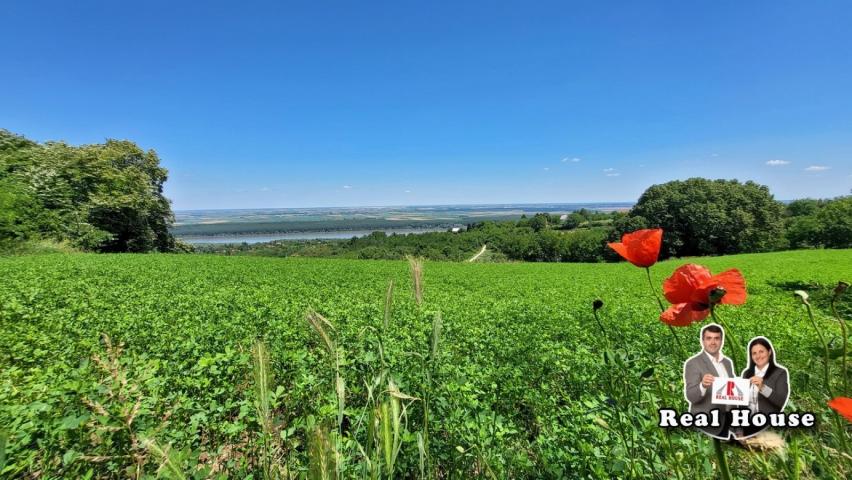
(518,388)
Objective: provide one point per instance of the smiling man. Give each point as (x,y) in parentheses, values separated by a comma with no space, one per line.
(700,370)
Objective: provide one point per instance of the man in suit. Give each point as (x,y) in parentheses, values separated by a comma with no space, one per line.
(700,370)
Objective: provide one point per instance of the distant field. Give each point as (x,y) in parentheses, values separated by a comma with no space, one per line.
(521,390)
(260,221)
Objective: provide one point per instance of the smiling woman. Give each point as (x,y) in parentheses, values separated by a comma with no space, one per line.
(769,382)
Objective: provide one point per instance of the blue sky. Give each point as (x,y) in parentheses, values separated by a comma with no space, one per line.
(296,104)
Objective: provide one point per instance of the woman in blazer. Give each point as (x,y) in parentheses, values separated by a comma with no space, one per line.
(770,383)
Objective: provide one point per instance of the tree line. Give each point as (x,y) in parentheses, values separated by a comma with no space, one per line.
(699,216)
(109,198)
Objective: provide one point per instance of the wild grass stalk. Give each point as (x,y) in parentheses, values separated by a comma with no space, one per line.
(388,305)
(168,464)
(416,266)
(322,456)
(263,380)
(320,325)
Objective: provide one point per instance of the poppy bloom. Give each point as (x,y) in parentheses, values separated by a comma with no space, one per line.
(843,406)
(692,289)
(641,248)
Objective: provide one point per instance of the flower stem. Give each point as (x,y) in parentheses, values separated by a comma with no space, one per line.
(825,348)
(723,462)
(663,309)
(653,290)
(843,329)
(600,325)
(729,334)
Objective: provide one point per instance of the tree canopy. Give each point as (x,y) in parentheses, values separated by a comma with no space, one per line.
(709,217)
(104,197)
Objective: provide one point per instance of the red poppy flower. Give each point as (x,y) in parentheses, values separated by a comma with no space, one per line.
(641,248)
(843,406)
(689,290)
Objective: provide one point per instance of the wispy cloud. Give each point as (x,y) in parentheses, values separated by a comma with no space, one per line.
(608,170)
(347,187)
(265,189)
(613,174)
(571,159)
(714,154)
(408,191)
(817,168)
(546,169)
(777,163)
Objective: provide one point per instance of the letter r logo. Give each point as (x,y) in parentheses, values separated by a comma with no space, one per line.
(730,388)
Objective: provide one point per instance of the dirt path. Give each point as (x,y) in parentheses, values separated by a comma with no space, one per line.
(473,258)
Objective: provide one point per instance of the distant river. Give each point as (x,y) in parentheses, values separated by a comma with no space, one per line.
(270,237)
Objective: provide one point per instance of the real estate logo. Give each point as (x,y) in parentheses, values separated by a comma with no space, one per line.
(731,391)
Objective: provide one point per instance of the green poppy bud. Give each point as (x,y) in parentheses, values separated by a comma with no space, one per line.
(716,295)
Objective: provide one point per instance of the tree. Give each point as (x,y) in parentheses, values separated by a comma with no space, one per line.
(835,223)
(710,217)
(106,197)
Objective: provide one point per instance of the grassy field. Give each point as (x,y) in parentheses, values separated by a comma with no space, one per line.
(512,385)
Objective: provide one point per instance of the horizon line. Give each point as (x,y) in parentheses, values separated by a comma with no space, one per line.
(411,205)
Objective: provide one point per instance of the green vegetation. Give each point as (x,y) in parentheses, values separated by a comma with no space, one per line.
(106,197)
(543,237)
(134,366)
(709,217)
(820,223)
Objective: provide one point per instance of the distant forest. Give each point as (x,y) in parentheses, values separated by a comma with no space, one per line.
(699,216)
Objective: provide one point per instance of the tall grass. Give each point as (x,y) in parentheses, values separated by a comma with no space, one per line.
(416,266)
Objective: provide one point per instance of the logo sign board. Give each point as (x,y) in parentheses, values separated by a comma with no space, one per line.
(731,391)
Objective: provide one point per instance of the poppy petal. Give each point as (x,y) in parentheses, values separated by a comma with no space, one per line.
(843,406)
(620,249)
(644,246)
(734,284)
(685,283)
(683,314)
(641,248)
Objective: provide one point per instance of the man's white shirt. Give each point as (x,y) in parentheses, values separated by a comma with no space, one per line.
(720,370)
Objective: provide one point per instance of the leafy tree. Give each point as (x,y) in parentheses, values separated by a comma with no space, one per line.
(106,197)
(711,217)
(835,223)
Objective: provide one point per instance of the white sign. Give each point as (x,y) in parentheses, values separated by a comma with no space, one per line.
(731,391)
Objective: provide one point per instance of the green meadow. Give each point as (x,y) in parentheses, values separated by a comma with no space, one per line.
(189,366)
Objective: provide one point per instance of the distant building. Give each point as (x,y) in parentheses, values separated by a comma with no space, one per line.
(456,229)
(563,217)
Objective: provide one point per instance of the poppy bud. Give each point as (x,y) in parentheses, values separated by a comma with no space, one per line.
(716,295)
(803,296)
(597,304)
(840,288)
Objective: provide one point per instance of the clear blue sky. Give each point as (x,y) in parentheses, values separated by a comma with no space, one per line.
(293,104)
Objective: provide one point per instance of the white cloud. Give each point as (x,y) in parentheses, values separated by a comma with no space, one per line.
(546,169)
(408,191)
(817,168)
(347,187)
(777,163)
(608,170)
(714,154)
(613,174)
(571,159)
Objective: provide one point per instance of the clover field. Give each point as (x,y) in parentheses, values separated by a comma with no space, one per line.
(190,366)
